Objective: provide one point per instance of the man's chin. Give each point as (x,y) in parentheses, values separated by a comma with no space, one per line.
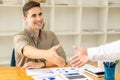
(38,27)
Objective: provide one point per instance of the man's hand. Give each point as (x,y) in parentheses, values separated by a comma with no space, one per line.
(32,65)
(80,58)
(52,57)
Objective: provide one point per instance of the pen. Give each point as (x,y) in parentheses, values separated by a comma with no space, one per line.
(116,62)
(107,64)
(112,64)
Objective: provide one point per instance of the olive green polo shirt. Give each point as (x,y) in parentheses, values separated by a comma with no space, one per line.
(47,40)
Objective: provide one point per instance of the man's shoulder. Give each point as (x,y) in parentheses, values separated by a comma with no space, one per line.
(20,33)
(47,31)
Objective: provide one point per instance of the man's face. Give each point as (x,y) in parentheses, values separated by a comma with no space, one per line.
(34,18)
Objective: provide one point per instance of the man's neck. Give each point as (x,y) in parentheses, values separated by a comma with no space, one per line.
(36,32)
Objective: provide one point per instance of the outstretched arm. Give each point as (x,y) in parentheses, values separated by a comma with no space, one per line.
(50,55)
(105,52)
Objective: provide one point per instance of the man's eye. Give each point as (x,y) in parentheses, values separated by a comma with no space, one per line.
(40,14)
(33,15)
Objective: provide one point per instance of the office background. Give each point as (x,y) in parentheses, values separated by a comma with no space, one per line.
(85,23)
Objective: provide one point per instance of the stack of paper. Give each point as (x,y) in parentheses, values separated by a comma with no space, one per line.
(67,73)
(70,74)
(41,74)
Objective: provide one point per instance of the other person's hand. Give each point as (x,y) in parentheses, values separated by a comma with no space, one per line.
(80,58)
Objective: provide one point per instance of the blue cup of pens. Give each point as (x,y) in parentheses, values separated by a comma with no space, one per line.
(109,68)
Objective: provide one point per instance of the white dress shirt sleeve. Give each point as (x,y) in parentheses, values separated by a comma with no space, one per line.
(105,52)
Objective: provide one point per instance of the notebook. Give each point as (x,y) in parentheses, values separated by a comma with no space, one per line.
(95,71)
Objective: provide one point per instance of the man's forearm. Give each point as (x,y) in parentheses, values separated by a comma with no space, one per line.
(33,52)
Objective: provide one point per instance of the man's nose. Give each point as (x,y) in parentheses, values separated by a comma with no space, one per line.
(39,18)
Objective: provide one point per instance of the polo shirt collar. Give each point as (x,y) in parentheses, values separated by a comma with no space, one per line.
(30,32)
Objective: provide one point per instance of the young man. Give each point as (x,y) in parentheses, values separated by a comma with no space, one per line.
(105,52)
(34,46)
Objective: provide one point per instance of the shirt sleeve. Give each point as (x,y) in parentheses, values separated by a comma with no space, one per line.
(20,41)
(105,52)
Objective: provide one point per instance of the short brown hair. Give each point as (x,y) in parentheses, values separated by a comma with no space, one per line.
(30,5)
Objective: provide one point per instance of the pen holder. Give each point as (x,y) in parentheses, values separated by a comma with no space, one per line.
(109,73)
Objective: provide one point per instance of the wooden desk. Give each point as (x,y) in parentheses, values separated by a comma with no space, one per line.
(13,73)
(16,73)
